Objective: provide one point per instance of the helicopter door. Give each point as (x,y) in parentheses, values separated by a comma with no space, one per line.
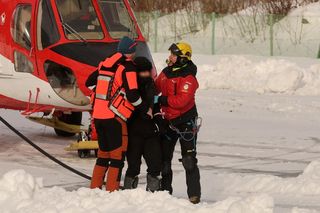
(60,77)
(23,38)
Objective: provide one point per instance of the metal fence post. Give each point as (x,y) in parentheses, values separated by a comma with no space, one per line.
(156,16)
(271,22)
(213,36)
(146,28)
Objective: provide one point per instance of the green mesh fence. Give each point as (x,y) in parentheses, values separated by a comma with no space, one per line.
(263,35)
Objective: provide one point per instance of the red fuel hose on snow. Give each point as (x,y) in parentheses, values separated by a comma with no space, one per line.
(44,152)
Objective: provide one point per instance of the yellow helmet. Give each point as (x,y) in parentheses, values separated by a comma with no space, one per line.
(182,49)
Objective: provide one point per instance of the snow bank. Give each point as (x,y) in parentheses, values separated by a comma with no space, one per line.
(20,192)
(308,183)
(269,76)
(257,74)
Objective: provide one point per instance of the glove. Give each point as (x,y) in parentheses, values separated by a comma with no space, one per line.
(146,116)
(161,124)
(163,100)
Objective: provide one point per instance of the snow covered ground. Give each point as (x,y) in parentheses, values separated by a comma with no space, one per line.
(259,148)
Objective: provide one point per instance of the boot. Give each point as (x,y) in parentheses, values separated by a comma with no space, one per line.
(131,183)
(113,179)
(153,183)
(194,199)
(166,181)
(98,176)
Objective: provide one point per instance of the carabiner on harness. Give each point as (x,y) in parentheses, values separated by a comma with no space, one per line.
(196,126)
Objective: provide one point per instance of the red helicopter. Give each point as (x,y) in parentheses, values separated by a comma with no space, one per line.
(48,48)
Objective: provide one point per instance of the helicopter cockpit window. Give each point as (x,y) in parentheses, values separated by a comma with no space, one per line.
(47,30)
(21,29)
(79,19)
(117,19)
(64,83)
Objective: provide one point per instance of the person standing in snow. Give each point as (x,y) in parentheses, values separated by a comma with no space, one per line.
(144,139)
(116,97)
(177,85)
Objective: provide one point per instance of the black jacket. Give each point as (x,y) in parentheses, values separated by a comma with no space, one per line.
(140,123)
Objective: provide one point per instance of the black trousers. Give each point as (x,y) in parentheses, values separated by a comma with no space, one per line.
(146,146)
(189,160)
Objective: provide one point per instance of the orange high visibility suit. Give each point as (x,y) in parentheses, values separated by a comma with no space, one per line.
(116,97)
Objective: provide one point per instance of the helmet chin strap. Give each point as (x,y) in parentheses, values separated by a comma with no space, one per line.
(181,61)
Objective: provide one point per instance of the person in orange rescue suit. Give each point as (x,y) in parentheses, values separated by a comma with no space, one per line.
(178,85)
(116,97)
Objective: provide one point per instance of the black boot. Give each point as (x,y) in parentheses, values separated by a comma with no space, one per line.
(189,163)
(131,183)
(153,183)
(166,181)
(194,199)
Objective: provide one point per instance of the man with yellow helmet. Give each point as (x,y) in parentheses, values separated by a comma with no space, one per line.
(177,85)
(183,51)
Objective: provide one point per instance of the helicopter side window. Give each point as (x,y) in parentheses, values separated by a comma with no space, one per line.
(64,83)
(117,19)
(47,31)
(79,19)
(22,63)
(21,29)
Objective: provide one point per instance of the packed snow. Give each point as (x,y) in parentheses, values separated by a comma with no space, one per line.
(306,184)
(258,151)
(20,192)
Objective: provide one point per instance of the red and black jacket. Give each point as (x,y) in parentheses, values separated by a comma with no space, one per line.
(132,94)
(178,86)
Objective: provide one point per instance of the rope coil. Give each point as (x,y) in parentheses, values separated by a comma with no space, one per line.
(196,126)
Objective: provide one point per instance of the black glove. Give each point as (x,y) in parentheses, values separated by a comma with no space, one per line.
(163,100)
(145,116)
(161,124)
